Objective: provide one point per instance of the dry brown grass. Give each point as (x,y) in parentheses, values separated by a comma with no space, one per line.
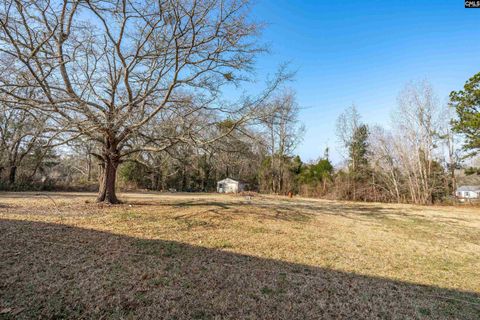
(208,256)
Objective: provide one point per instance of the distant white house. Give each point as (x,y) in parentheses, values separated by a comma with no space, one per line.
(230,186)
(468,192)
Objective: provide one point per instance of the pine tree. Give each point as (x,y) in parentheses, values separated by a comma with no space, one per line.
(467,105)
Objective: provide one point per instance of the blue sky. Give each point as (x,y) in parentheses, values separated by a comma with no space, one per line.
(364,52)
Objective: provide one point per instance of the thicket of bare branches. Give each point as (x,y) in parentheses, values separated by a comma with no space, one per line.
(25,137)
(414,160)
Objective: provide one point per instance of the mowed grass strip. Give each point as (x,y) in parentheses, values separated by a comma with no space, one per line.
(209,256)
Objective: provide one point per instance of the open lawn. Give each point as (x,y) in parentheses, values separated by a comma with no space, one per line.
(204,256)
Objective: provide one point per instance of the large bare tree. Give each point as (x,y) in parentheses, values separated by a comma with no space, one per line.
(106,68)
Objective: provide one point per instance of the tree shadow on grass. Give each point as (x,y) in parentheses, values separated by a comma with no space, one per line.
(46,194)
(305,211)
(282,209)
(57,271)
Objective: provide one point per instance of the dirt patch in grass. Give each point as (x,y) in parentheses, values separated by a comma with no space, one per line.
(210,257)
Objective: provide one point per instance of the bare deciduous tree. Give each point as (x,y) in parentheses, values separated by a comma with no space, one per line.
(284,133)
(383,157)
(106,68)
(416,122)
(451,141)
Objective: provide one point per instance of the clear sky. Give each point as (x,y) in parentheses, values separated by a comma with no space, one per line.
(364,52)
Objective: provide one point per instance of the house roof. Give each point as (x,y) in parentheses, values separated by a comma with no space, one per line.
(468,188)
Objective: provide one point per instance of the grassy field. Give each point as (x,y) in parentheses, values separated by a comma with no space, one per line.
(203,256)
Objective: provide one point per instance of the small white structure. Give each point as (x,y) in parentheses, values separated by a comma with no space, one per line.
(468,193)
(230,186)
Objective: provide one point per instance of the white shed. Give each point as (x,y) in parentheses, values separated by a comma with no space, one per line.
(468,193)
(230,186)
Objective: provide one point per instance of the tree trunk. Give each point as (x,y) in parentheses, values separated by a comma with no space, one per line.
(106,192)
(153,182)
(184,178)
(12,174)
(89,168)
(454,181)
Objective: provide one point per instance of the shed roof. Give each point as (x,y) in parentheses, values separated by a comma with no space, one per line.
(227,180)
(468,188)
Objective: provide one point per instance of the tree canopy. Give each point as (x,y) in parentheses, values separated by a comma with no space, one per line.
(467,105)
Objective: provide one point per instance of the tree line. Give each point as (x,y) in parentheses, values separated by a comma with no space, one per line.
(106,93)
(416,159)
